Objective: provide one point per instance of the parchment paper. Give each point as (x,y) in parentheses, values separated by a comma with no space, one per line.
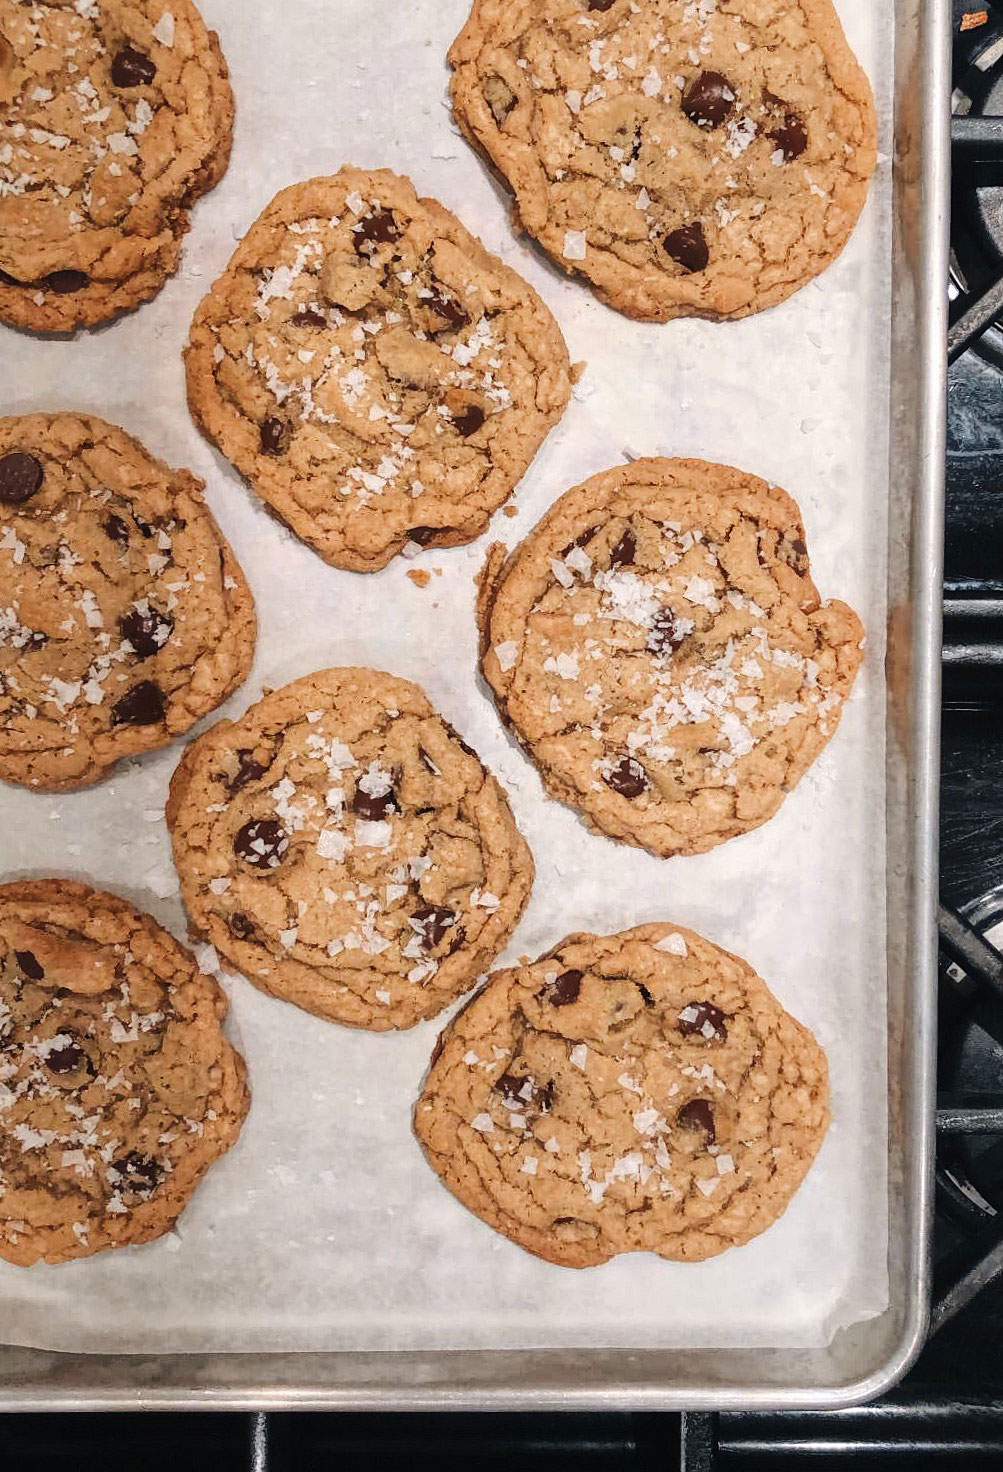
(324,1228)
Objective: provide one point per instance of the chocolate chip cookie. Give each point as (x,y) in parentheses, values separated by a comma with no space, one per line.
(345,849)
(115,116)
(118,1089)
(124,617)
(660,649)
(689,157)
(641,1092)
(377,376)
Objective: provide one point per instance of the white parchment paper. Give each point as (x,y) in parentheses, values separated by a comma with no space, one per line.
(324,1228)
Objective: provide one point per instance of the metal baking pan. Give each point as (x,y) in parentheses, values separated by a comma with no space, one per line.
(861,1361)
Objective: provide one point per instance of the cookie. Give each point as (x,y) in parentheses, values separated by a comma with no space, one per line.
(124,617)
(116,116)
(641,1092)
(376,375)
(660,649)
(118,1089)
(345,849)
(688,157)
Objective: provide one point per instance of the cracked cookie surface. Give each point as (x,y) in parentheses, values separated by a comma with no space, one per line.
(118,1089)
(689,157)
(124,616)
(343,848)
(661,651)
(640,1092)
(116,116)
(375,374)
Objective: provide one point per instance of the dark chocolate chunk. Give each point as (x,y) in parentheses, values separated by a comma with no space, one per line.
(308,317)
(132,68)
(432,922)
(29,964)
(709,100)
(469,419)
(374,808)
(240,925)
(688,246)
(795,554)
(565,989)
(790,136)
(628,778)
(581,541)
(147,632)
(140,1173)
(116,529)
(379,228)
(698,1115)
(522,1093)
(664,635)
(261,842)
(276,436)
(444,305)
(703,1019)
(622,554)
(63,283)
(249,769)
(67,1059)
(423,534)
(21,475)
(601,4)
(144,705)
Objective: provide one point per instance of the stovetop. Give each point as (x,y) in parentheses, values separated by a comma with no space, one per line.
(949,1409)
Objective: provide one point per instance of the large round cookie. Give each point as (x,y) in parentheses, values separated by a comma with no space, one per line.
(662,652)
(689,157)
(641,1092)
(116,116)
(123,614)
(118,1089)
(376,375)
(344,849)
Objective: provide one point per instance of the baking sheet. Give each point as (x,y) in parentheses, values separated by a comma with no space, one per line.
(324,1228)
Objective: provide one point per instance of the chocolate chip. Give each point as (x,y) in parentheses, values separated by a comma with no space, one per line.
(628,778)
(703,1019)
(65,282)
(276,436)
(581,541)
(379,228)
(146,530)
(514,1088)
(432,922)
(698,1115)
(262,842)
(443,304)
(116,528)
(140,1173)
(66,1059)
(29,964)
(373,809)
(601,4)
(249,769)
(565,989)
(469,419)
(664,635)
(708,100)
(423,534)
(622,554)
(239,925)
(9,280)
(144,705)
(790,136)
(147,632)
(132,68)
(795,554)
(308,317)
(21,475)
(458,940)
(688,246)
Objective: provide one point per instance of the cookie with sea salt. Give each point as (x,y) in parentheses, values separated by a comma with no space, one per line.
(377,375)
(347,851)
(640,1092)
(118,1089)
(124,616)
(688,157)
(116,116)
(661,651)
